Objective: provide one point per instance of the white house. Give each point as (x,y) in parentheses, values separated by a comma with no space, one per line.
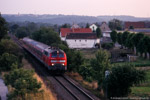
(93,27)
(81,40)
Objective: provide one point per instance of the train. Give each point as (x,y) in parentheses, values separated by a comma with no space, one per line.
(53,58)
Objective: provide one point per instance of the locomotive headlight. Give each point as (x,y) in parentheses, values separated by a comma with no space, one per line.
(52,64)
(63,64)
(62,61)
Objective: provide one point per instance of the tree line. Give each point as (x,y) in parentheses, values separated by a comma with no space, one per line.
(135,41)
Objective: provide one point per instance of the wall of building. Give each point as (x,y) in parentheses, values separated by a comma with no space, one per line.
(81,43)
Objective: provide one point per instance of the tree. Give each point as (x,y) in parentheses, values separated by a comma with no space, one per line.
(119,38)
(87,25)
(76,61)
(9,46)
(98,32)
(120,79)
(137,38)
(22,81)
(129,41)
(143,45)
(6,61)
(100,65)
(115,24)
(3,27)
(14,28)
(47,36)
(124,37)
(86,71)
(22,32)
(113,35)
(65,25)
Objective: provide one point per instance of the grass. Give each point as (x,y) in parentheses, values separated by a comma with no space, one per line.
(144,88)
(139,63)
(141,91)
(88,53)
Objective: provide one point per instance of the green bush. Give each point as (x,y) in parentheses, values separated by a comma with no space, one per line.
(87,72)
(107,45)
(121,78)
(8,61)
(22,81)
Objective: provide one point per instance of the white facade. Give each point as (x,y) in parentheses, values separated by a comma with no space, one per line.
(81,43)
(93,27)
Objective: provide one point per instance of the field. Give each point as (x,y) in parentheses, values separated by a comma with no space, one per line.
(88,53)
(139,63)
(143,89)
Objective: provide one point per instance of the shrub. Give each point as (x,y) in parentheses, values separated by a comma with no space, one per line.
(22,81)
(107,45)
(121,78)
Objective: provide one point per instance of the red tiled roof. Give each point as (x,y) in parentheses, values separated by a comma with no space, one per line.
(134,24)
(65,31)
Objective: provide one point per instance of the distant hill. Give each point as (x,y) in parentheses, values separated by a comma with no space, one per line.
(123,18)
(61,19)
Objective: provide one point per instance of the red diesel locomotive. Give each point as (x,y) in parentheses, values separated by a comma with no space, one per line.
(52,58)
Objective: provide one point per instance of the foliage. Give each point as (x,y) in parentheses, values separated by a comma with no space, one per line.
(75,60)
(115,24)
(8,46)
(47,36)
(22,32)
(65,26)
(113,35)
(87,25)
(100,65)
(143,45)
(3,27)
(8,61)
(107,45)
(119,38)
(130,41)
(86,71)
(14,28)
(22,81)
(120,80)
(98,32)
(124,37)
(136,38)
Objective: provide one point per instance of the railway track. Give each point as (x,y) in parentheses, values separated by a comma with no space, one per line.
(65,88)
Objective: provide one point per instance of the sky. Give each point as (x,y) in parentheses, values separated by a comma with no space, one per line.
(137,8)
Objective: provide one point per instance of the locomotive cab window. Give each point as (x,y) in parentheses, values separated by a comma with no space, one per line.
(54,54)
(61,55)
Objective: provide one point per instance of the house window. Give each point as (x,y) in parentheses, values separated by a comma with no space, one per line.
(80,40)
(85,40)
(75,40)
